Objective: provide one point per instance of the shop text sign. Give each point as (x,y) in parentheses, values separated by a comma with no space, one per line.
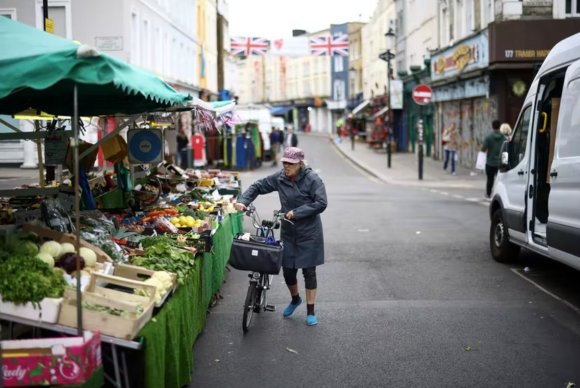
(525,54)
(468,55)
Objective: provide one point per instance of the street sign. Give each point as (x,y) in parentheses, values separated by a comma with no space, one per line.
(422,94)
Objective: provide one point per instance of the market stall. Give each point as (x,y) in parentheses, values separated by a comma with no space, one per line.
(140,270)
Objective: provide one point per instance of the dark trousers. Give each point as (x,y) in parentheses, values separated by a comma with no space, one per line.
(491,172)
(309,277)
(449,156)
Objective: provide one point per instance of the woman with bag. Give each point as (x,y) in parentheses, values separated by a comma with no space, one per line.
(450,142)
(303,197)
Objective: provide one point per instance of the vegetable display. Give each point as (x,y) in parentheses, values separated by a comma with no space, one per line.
(28,279)
(162,254)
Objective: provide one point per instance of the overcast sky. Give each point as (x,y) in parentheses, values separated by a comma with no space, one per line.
(277,18)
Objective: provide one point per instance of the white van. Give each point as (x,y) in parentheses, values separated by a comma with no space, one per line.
(536,199)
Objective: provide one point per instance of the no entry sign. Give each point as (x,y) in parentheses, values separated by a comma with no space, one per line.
(422,94)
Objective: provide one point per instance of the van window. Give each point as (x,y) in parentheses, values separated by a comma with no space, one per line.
(520,138)
(569,133)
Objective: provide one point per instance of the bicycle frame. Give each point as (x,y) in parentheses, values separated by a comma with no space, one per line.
(259,282)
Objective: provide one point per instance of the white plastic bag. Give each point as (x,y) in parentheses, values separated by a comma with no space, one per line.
(481,160)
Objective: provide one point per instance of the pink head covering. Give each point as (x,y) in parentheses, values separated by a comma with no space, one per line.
(293,155)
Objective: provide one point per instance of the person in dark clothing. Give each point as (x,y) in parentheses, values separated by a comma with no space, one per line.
(275,141)
(492,146)
(303,197)
(182,149)
(290,140)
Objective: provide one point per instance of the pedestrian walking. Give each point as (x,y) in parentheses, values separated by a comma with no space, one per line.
(506,130)
(492,146)
(275,142)
(302,197)
(450,143)
(291,139)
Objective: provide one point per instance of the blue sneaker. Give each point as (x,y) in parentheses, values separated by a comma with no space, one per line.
(291,307)
(311,320)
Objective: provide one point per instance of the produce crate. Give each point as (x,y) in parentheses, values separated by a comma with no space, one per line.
(51,361)
(47,311)
(114,199)
(140,274)
(138,309)
(60,237)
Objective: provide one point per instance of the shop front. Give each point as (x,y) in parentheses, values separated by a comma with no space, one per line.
(517,48)
(461,95)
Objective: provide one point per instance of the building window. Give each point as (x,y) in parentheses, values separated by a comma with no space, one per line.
(572,7)
(10,13)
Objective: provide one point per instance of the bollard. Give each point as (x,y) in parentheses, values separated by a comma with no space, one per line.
(389,151)
(420,150)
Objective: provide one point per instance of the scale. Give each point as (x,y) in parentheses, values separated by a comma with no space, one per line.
(145,146)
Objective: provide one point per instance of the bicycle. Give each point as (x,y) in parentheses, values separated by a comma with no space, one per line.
(262,255)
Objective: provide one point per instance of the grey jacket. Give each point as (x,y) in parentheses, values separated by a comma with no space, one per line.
(306,196)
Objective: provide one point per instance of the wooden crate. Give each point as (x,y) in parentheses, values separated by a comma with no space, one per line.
(125,327)
(140,274)
(66,237)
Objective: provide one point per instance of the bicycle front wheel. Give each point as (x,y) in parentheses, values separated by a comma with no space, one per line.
(249,305)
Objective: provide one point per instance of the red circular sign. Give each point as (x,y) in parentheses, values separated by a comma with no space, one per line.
(422,94)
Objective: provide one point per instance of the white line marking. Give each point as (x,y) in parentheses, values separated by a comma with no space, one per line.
(457,196)
(444,193)
(356,167)
(434,191)
(570,305)
(472,199)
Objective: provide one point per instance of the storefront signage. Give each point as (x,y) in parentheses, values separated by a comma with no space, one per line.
(468,55)
(506,44)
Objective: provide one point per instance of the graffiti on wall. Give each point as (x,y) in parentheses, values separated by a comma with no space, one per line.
(473,119)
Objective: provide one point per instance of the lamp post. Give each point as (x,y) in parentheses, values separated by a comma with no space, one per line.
(387,56)
(352,74)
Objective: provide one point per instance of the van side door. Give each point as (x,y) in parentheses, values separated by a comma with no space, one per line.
(563,227)
(514,180)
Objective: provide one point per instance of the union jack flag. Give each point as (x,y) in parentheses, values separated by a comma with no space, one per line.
(329,45)
(243,46)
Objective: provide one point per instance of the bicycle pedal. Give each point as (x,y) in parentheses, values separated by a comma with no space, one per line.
(270,307)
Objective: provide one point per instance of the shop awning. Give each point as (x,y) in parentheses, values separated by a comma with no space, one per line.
(380,112)
(280,110)
(38,70)
(360,106)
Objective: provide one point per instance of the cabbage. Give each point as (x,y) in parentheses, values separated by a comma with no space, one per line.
(26,248)
(164,278)
(46,257)
(67,248)
(68,262)
(51,247)
(89,256)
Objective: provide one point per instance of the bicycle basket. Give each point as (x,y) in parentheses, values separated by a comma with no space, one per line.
(255,255)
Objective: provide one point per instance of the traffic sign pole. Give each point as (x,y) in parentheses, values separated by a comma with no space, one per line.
(422,95)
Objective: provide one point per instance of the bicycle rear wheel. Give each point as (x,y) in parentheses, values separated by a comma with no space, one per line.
(249,305)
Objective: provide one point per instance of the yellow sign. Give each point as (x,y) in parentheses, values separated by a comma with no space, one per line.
(462,56)
(49,25)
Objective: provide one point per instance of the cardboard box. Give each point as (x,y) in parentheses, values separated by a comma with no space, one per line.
(51,361)
(48,310)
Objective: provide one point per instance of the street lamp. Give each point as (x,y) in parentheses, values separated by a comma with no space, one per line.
(387,56)
(352,74)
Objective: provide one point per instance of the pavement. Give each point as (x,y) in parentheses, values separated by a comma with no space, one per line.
(405,168)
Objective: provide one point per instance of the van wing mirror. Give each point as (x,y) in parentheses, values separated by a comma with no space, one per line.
(505,157)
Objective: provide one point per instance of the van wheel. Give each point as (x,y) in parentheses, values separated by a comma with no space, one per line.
(502,250)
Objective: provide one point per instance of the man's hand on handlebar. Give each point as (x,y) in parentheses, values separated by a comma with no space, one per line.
(290,215)
(240,206)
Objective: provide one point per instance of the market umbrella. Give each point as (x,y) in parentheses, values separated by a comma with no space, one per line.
(39,70)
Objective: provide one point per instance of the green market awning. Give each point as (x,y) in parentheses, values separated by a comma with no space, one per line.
(38,70)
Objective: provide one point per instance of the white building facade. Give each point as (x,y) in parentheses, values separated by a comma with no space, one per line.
(156,35)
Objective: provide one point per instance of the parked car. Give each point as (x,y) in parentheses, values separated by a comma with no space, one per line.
(536,199)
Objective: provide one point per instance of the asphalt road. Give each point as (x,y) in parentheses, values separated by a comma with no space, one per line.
(409,296)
